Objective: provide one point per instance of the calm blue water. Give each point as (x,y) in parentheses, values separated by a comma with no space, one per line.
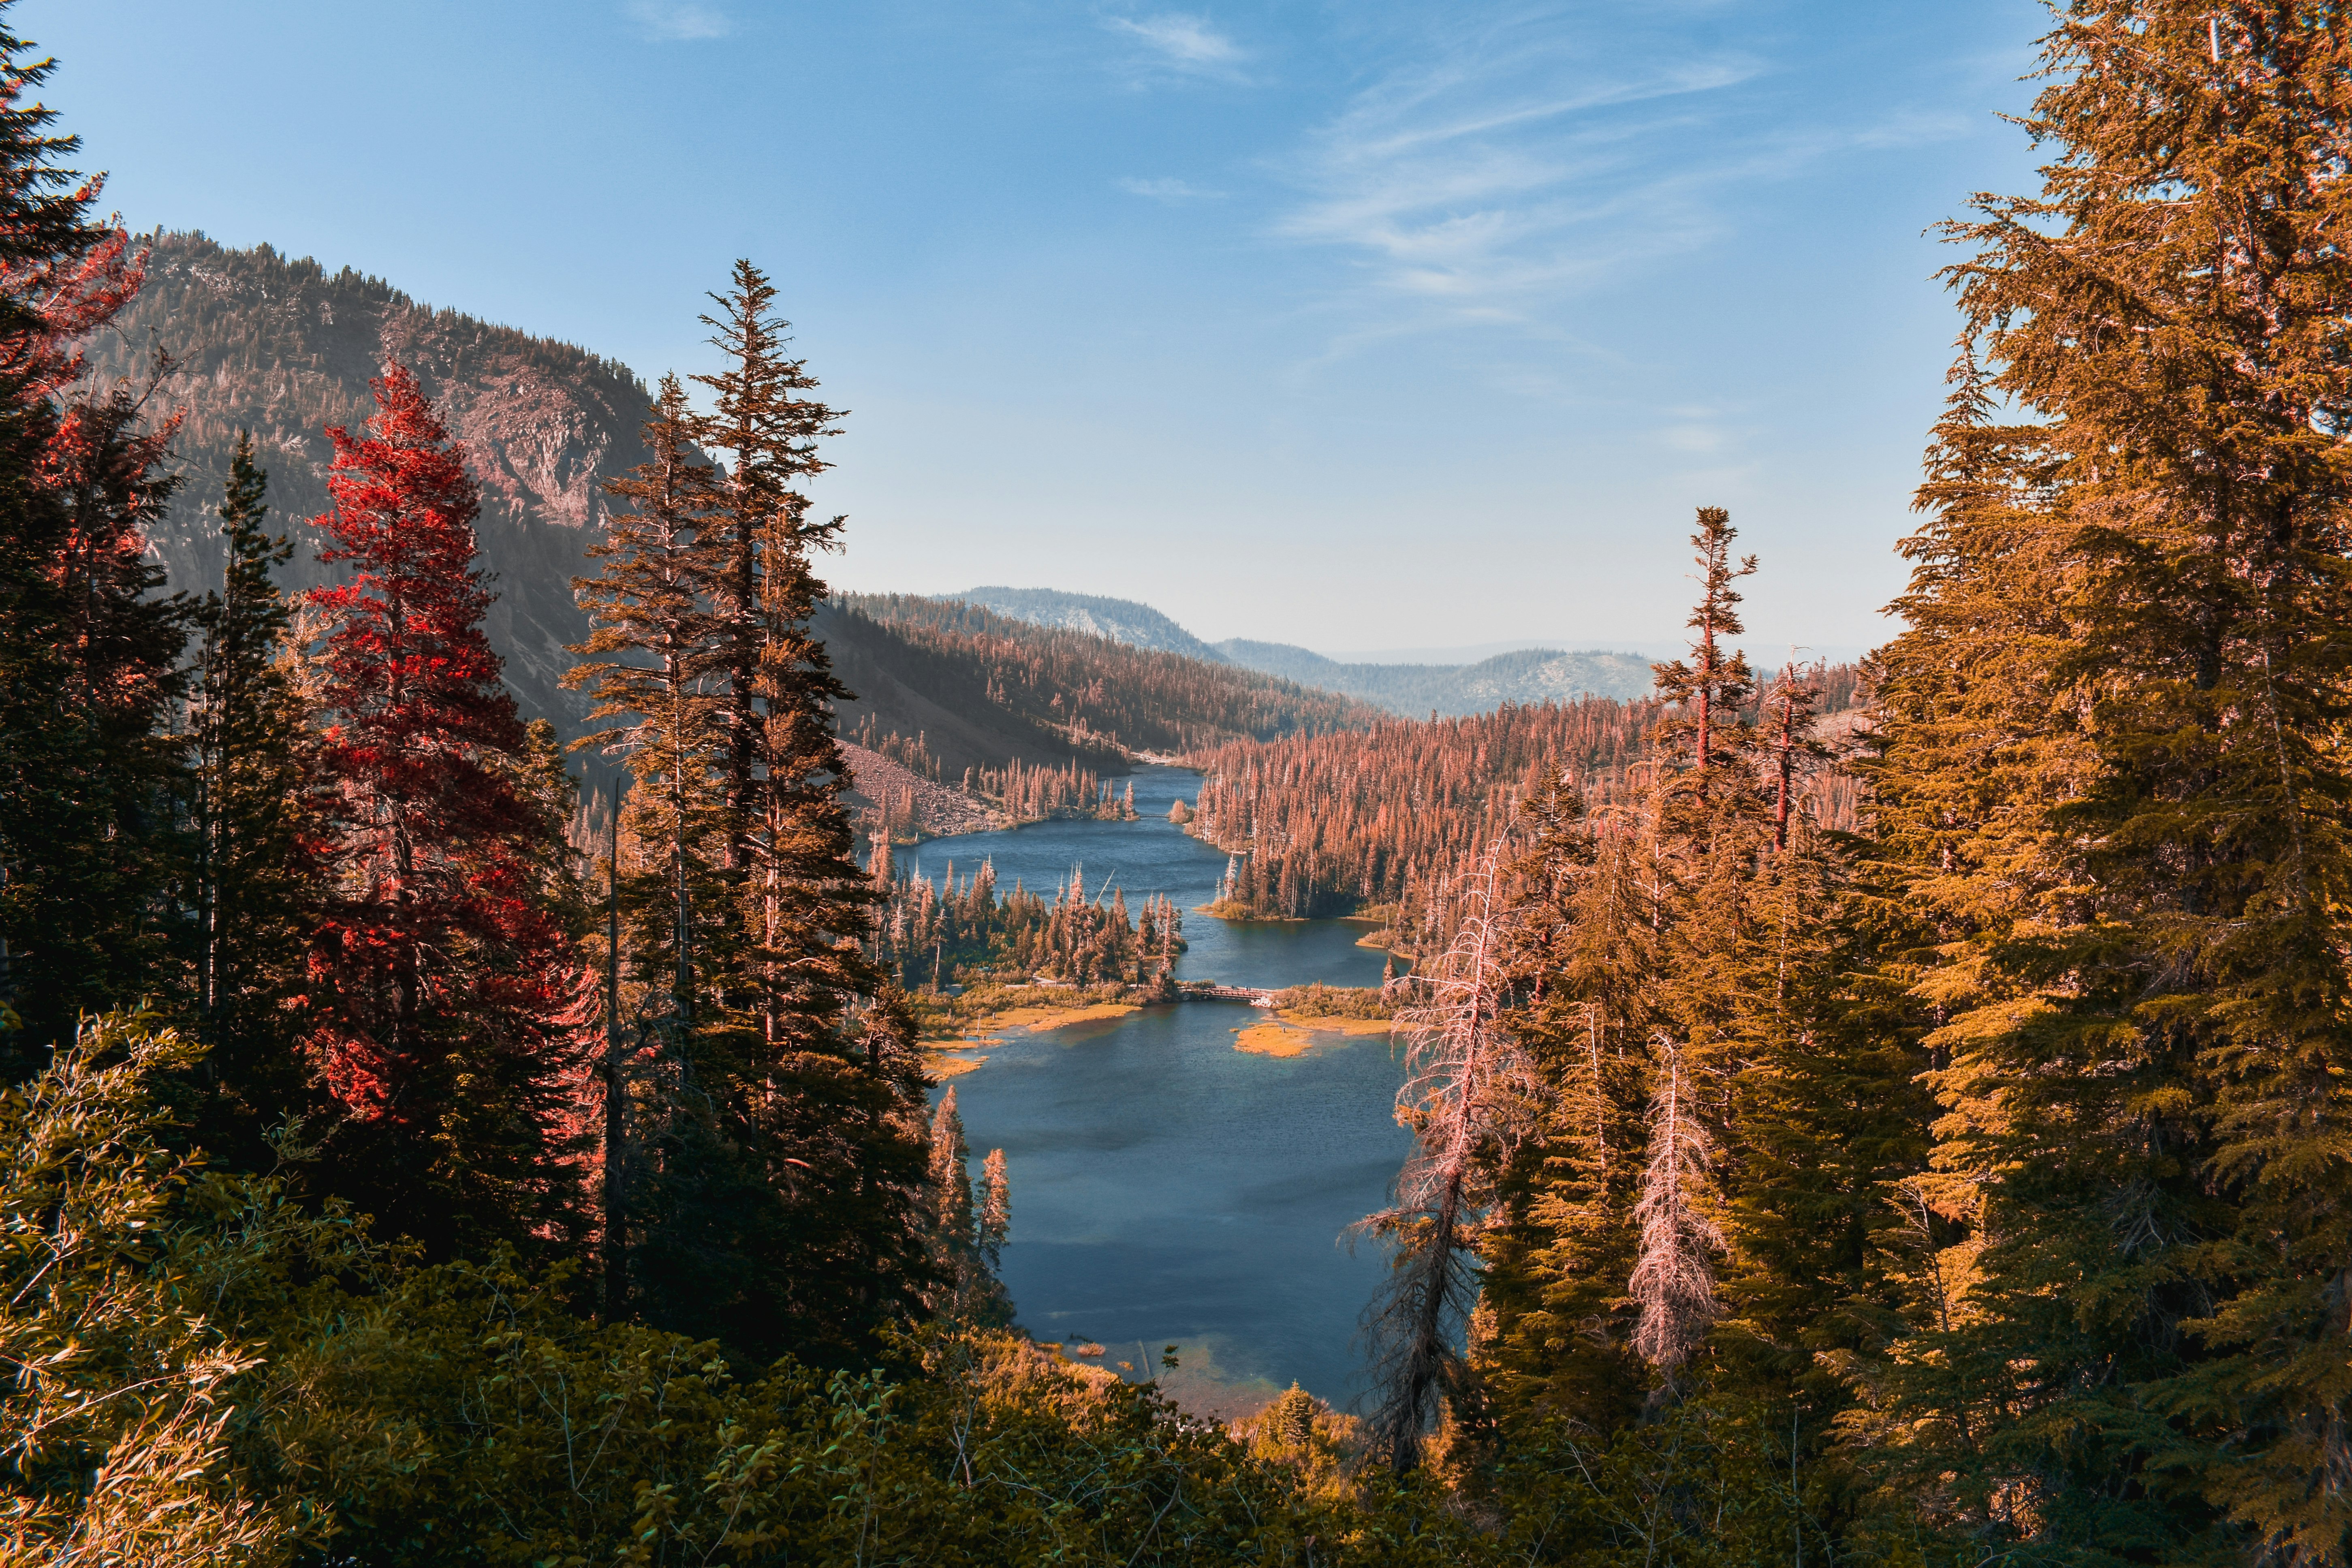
(1167,1187)
(1155,855)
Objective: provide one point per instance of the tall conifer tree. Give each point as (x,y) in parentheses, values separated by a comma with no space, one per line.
(656,663)
(2113,775)
(1709,689)
(444,983)
(88,656)
(790,843)
(783,1186)
(248,741)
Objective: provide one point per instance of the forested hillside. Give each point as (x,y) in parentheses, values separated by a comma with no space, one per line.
(1088,689)
(1333,824)
(281,347)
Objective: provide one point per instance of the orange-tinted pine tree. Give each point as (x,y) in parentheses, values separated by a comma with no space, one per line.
(1469,1092)
(1710,690)
(2115,786)
(1673,1283)
(445,989)
(654,663)
(784,1163)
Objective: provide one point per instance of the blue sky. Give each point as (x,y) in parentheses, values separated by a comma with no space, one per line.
(1357,325)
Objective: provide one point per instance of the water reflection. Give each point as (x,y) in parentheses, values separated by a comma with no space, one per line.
(1155,855)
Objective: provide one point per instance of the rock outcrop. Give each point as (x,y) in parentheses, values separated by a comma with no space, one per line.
(258,341)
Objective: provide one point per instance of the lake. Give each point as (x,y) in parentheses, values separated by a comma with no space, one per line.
(1166,1187)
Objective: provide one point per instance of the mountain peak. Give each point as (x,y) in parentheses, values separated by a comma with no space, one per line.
(1120,620)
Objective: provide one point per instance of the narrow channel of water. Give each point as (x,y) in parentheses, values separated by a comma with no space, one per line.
(1167,1187)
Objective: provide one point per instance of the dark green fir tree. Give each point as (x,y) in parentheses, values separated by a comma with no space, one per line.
(251,878)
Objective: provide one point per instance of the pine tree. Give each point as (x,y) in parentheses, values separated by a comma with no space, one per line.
(88,659)
(758,520)
(790,838)
(950,1176)
(965,1230)
(654,662)
(2113,777)
(249,745)
(1827,1121)
(1715,684)
(445,990)
(1673,1283)
(1468,1091)
(1786,738)
(995,1222)
(102,844)
(800,1062)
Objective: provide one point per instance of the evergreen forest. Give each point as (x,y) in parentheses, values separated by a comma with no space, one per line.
(1897,1113)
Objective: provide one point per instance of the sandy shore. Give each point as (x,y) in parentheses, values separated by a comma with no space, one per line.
(1052,1017)
(1283,1036)
(946,1060)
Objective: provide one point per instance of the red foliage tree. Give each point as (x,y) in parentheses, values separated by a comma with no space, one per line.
(445,986)
(89,653)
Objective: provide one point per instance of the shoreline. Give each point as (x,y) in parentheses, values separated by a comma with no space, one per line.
(1285,1035)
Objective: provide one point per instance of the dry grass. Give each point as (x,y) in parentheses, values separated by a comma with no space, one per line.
(940,1064)
(1283,1036)
(1049,1017)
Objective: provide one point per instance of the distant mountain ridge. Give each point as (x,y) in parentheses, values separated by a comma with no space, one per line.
(1414,691)
(1056,686)
(1121,620)
(1411,690)
(282,346)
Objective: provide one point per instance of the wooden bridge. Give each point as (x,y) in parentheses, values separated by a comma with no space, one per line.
(1196,992)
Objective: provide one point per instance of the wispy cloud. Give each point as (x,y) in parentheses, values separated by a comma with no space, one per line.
(1507,158)
(674,21)
(1173,192)
(1178,41)
(1479,177)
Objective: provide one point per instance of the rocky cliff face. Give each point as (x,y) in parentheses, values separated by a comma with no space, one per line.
(285,349)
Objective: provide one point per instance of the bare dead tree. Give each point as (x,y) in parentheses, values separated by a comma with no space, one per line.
(1468,1094)
(1674,1277)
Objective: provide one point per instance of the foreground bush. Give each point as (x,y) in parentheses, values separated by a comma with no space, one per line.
(204,1371)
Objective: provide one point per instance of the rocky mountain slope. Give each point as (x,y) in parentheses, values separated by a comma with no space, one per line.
(280,346)
(283,347)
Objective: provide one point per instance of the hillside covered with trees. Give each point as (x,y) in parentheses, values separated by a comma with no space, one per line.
(1355,820)
(1948,1171)
(1086,688)
(283,349)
